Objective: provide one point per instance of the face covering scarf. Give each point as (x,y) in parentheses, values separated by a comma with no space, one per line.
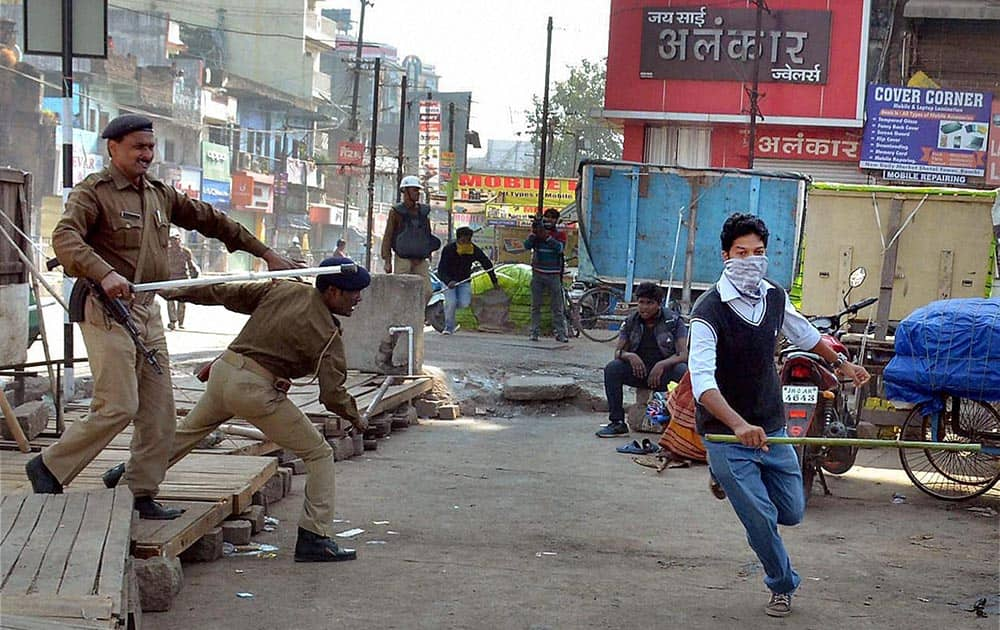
(746,275)
(464,249)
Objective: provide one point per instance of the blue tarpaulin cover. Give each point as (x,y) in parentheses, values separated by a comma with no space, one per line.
(947,347)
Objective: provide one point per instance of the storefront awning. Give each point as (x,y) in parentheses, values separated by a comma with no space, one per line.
(953,10)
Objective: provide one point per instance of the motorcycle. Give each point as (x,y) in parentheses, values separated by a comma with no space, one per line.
(434,310)
(814,397)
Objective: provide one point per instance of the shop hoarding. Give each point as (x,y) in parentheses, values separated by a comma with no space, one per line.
(926,130)
(511,200)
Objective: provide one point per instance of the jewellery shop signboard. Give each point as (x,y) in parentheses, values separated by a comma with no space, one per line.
(720,44)
(926,135)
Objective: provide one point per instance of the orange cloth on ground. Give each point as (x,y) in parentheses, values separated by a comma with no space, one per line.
(681,437)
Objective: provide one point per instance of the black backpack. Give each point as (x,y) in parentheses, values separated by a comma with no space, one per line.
(414,239)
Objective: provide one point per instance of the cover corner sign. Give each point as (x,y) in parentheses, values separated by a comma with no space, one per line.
(924,130)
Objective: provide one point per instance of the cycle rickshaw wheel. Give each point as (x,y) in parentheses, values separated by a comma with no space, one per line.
(599,320)
(951,475)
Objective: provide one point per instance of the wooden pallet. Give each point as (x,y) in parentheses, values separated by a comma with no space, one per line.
(231,479)
(170,538)
(63,559)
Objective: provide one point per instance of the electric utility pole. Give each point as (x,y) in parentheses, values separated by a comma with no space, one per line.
(354,108)
(544,135)
(754,91)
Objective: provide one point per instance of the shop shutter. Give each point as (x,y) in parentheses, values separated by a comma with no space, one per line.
(820,171)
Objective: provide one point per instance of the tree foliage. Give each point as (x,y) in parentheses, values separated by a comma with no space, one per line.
(573,133)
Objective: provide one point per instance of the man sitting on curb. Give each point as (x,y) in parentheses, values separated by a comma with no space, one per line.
(651,352)
(292,332)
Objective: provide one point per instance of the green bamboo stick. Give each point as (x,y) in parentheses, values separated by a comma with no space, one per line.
(861,442)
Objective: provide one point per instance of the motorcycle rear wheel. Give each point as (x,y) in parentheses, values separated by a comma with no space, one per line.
(807,465)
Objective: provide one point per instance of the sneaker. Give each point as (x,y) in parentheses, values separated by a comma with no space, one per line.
(780,605)
(613,429)
(445,332)
(171,326)
(562,339)
(534,336)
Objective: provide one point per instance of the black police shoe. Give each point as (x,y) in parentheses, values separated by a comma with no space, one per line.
(153,511)
(41,478)
(112,476)
(312,547)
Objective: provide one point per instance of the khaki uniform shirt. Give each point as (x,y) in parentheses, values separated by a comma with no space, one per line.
(180,262)
(107,220)
(288,329)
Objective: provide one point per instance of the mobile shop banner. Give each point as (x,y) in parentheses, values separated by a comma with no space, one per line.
(926,130)
(515,191)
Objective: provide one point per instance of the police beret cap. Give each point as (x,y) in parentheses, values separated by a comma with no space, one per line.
(345,280)
(126,124)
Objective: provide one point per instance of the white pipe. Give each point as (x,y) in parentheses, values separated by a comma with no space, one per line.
(244,276)
(409,345)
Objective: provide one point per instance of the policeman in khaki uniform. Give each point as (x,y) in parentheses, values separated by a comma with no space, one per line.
(292,332)
(114,230)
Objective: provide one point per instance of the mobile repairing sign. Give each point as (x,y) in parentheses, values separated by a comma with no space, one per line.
(926,130)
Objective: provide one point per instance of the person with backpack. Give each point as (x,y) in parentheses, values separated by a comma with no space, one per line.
(408,235)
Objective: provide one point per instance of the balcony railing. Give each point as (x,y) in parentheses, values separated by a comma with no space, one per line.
(321,28)
(322,86)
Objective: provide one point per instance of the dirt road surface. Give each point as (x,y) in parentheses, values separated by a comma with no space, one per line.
(523,519)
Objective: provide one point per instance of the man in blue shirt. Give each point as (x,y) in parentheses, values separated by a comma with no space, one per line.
(547,244)
(734,333)
(651,352)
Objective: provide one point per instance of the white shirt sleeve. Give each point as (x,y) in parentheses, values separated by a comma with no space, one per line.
(797,328)
(701,357)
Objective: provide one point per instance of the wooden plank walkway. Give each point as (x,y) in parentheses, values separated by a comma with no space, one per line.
(170,538)
(231,479)
(63,559)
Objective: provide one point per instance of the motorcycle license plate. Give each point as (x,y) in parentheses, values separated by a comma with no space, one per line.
(799,394)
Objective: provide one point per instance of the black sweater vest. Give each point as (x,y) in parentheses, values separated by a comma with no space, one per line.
(744,361)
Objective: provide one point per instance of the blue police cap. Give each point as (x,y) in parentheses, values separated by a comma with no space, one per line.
(345,280)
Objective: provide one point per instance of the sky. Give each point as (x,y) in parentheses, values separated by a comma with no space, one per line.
(495,49)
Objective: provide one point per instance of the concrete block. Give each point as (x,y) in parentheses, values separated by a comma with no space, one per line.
(539,388)
(343,448)
(31,388)
(32,416)
(273,490)
(448,412)
(425,408)
(237,532)
(208,548)
(404,417)
(255,515)
(359,443)
(160,579)
(390,300)
(14,322)
(297,466)
(286,481)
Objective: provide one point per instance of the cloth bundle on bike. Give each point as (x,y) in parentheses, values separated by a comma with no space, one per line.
(947,347)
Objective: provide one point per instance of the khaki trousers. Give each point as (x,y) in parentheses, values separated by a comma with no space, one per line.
(126,389)
(418,268)
(237,386)
(175,311)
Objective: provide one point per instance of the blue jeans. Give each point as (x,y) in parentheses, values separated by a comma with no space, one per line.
(765,490)
(454,299)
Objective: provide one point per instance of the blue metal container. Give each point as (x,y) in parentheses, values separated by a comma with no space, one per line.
(635,221)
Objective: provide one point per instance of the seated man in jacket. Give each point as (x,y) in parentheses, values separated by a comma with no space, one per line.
(292,332)
(455,269)
(651,352)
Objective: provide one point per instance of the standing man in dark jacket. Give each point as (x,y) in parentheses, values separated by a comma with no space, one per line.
(455,269)
(651,352)
(547,243)
(182,266)
(408,235)
(114,231)
(735,327)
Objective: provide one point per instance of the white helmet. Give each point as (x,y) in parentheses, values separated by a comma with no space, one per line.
(410,181)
